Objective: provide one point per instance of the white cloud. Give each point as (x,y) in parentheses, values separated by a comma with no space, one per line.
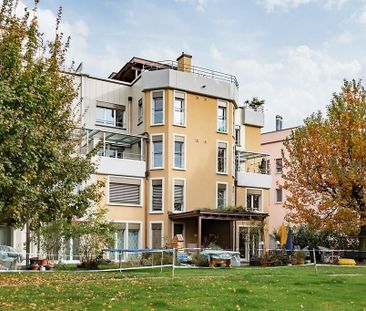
(362,18)
(302,81)
(271,5)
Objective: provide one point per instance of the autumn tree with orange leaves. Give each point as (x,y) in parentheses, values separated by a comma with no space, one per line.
(325,170)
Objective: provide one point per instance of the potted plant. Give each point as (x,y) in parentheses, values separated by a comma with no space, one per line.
(299,257)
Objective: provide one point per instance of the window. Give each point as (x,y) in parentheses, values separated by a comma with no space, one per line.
(279,195)
(179,161)
(72,249)
(222,157)
(127,236)
(124,191)
(156,195)
(110,116)
(5,235)
(279,165)
(254,200)
(140,112)
(157,151)
(237,136)
(156,235)
(133,236)
(178,195)
(221,196)
(179,108)
(157,108)
(112,151)
(222,117)
(233,195)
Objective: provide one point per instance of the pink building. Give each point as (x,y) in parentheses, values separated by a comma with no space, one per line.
(272,144)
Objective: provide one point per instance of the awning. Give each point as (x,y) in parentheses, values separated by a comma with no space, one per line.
(218,215)
(247,155)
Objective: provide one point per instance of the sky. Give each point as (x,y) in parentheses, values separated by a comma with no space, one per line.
(294,54)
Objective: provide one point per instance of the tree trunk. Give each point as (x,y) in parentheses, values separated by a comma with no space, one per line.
(362,239)
(27,242)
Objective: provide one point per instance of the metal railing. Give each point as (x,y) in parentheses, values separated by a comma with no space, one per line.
(201,71)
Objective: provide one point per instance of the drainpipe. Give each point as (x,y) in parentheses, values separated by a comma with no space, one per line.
(147,160)
(129,129)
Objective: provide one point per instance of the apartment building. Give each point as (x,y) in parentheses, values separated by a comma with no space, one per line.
(177,155)
(272,144)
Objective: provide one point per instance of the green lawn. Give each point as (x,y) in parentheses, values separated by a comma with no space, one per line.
(284,288)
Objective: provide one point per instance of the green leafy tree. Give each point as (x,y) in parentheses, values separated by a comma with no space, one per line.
(39,166)
(326,165)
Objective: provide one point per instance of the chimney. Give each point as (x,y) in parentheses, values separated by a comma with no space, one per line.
(278,123)
(185,62)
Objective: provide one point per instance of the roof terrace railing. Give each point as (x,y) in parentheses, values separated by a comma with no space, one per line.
(204,72)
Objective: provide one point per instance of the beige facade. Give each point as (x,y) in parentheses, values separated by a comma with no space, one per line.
(176,155)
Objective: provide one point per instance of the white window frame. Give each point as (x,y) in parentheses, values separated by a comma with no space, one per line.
(162,233)
(222,103)
(132,205)
(226,193)
(162,195)
(152,105)
(184,151)
(152,152)
(184,228)
(261,201)
(184,108)
(184,194)
(126,234)
(115,107)
(233,196)
(217,158)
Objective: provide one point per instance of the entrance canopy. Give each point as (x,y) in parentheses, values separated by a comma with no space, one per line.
(218,215)
(206,224)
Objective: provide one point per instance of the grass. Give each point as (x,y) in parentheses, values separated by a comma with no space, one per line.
(249,288)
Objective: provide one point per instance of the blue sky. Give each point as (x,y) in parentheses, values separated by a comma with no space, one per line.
(292,53)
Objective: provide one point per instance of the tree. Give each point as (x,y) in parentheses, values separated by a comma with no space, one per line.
(255,103)
(325,171)
(39,166)
(93,233)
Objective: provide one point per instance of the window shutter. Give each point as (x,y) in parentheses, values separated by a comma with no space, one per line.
(157,195)
(179,95)
(124,190)
(158,94)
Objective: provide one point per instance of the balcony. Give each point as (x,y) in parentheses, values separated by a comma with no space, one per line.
(116,153)
(252,116)
(253,170)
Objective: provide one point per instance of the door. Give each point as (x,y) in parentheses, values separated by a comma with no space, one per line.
(248,242)
(243,243)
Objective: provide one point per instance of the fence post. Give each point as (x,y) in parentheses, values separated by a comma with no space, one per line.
(173,270)
(316,268)
(161,261)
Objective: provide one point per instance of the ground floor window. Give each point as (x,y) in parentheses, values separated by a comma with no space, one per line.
(156,235)
(5,235)
(72,249)
(127,236)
